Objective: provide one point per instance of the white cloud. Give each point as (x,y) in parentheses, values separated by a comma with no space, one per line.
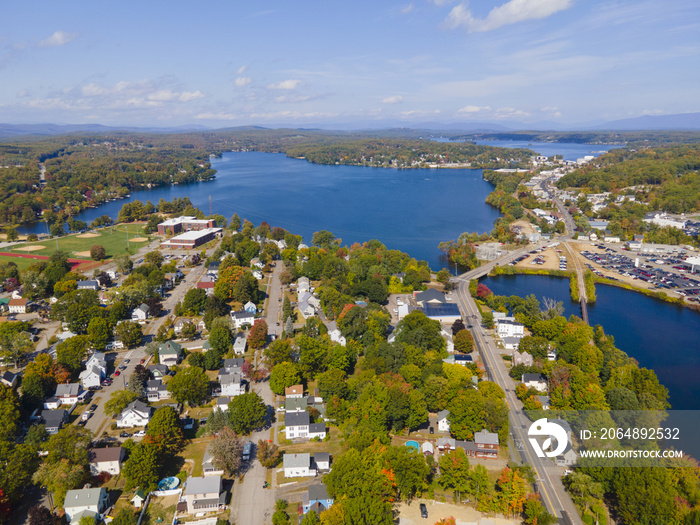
(242,70)
(59,38)
(396,99)
(441,2)
(509,13)
(419,113)
(216,116)
(285,84)
(187,96)
(407,8)
(652,112)
(243,81)
(470,110)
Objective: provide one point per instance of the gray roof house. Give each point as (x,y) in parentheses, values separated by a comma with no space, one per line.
(208,467)
(431,295)
(85,502)
(54,420)
(204,494)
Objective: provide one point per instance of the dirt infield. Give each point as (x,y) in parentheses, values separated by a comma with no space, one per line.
(82,254)
(139,239)
(88,235)
(32,248)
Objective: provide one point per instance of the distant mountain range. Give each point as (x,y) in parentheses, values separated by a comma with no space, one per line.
(679,122)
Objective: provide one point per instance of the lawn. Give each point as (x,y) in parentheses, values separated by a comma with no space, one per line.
(195,451)
(21,262)
(113,239)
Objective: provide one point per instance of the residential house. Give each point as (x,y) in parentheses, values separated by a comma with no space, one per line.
(180,323)
(303,285)
(222,403)
(305,308)
(88,285)
(53,420)
(85,502)
(522,358)
(97,359)
(323,461)
(170,353)
(459,359)
(207,285)
(535,381)
(136,414)
(511,343)
(295,404)
(214,268)
(316,498)
(140,313)
(337,337)
(427,448)
(565,425)
(567,458)
(91,377)
(318,431)
(106,459)
(486,443)
(17,306)
(156,390)
(294,391)
(242,318)
(239,344)
(445,444)
(430,296)
(544,401)
(296,425)
(158,371)
(443,421)
(298,465)
(234,366)
(70,394)
(9,379)
(231,385)
(52,403)
(204,494)
(509,327)
(404,310)
(258,275)
(209,468)
(250,307)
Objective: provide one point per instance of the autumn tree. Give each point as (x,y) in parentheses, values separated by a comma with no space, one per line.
(258,334)
(512,488)
(464,341)
(98,252)
(227,450)
(268,454)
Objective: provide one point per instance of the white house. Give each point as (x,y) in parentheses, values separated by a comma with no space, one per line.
(295,404)
(222,403)
(169,353)
(70,394)
(294,391)
(522,358)
(535,381)
(140,313)
(443,421)
(88,285)
(204,494)
(239,344)
(17,306)
(567,458)
(98,359)
(209,468)
(323,461)
(91,378)
(106,459)
(156,390)
(242,318)
(307,304)
(509,327)
(296,425)
(54,420)
(136,414)
(337,337)
(511,343)
(303,285)
(317,430)
(85,502)
(9,379)
(231,385)
(298,465)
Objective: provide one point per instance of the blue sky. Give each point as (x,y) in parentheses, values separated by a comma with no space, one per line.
(228,63)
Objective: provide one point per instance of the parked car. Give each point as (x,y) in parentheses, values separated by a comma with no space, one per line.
(86,416)
(140,433)
(124,435)
(93,408)
(116,374)
(423,511)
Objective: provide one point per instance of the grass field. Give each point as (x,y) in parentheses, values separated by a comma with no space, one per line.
(114,240)
(20,262)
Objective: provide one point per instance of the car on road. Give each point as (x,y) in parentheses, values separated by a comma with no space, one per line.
(124,435)
(143,360)
(85,416)
(140,433)
(116,374)
(126,362)
(423,511)
(92,408)
(432,430)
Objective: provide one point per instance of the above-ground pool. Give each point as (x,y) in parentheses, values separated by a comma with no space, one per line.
(413,444)
(168,483)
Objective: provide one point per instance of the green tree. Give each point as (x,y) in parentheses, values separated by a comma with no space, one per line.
(221,339)
(190,385)
(59,478)
(70,443)
(464,342)
(155,258)
(279,351)
(143,467)
(287,310)
(195,301)
(418,410)
(164,430)
(410,471)
(98,332)
(467,412)
(98,252)
(15,347)
(125,516)
(454,471)
(247,412)
(189,331)
(284,375)
(124,263)
(129,333)
(118,401)
(310,518)
(332,383)
(417,330)
(72,351)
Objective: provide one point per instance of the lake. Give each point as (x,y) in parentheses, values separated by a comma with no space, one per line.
(661,336)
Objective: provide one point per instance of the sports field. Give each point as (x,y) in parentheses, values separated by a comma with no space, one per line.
(113,239)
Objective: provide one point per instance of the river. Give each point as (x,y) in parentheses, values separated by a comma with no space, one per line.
(661,336)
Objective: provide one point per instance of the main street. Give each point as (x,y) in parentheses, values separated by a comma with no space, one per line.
(549,486)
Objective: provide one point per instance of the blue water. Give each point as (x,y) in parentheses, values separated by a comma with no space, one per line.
(569,151)
(661,336)
(408,210)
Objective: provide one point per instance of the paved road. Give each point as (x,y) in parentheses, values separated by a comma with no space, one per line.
(549,486)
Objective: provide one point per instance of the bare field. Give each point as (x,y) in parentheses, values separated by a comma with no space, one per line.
(551,261)
(139,239)
(32,248)
(88,235)
(410,514)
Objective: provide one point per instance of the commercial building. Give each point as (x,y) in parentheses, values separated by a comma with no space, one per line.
(191,239)
(184,224)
